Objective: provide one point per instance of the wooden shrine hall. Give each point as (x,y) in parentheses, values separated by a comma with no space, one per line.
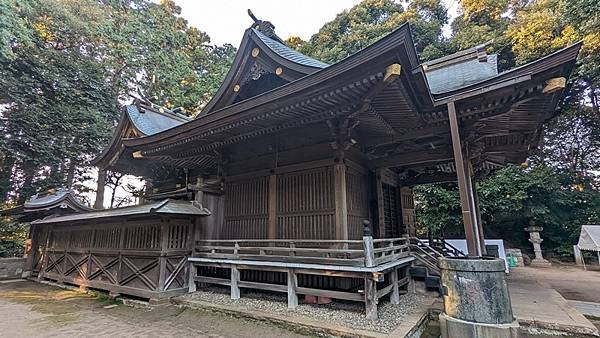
(292,157)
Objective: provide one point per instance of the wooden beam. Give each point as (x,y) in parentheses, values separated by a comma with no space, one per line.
(413,158)
(471,234)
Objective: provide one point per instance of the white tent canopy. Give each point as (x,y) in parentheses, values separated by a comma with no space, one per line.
(589,238)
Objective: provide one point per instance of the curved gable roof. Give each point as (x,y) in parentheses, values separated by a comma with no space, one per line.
(288,53)
(137,120)
(264,54)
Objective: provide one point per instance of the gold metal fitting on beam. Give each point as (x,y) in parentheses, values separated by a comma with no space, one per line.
(236,88)
(138,154)
(392,72)
(278,71)
(554,84)
(255,52)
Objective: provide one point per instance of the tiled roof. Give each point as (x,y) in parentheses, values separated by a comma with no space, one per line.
(151,122)
(168,206)
(288,53)
(461,74)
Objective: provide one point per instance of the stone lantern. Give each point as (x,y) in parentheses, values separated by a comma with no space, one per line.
(536,240)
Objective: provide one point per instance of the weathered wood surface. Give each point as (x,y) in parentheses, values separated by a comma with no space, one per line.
(141,258)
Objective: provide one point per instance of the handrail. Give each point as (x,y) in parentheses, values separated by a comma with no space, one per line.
(366,252)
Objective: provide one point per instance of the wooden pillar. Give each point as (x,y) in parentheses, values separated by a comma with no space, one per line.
(471,233)
(235,278)
(99,204)
(191,277)
(477,214)
(272,206)
(395,295)
(162,260)
(292,285)
(341,205)
(45,255)
(370,297)
(380,204)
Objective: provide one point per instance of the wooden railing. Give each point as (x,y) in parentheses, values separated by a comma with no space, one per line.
(368,252)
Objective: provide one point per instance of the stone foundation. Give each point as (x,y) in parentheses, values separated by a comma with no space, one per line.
(11,268)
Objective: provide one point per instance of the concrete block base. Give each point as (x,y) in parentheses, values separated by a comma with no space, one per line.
(453,328)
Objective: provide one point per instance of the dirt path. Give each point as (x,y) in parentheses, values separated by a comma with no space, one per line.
(30,309)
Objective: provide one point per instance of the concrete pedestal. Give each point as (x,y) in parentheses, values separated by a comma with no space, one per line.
(452,327)
(476,300)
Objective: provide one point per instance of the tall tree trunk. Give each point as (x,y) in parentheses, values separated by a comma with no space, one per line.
(27,189)
(6,174)
(71,173)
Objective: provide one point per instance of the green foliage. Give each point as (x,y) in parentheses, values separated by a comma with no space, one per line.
(12,237)
(558,200)
(65,68)
(355,29)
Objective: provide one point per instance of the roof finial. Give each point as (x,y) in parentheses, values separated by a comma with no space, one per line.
(265,27)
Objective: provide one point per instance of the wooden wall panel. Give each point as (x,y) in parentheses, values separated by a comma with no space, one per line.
(357,195)
(246,212)
(305,204)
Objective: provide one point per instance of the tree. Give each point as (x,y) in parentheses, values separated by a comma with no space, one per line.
(357,28)
(66,66)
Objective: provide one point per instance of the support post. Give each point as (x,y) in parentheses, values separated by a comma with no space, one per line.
(395,296)
(474,203)
(99,204)
(292,285)
(191,277)
(235,278)
(272,206)
(368,247)
(370,297)
(341,206)
(471,234)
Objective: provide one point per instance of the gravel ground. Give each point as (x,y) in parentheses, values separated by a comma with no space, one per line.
(349,314)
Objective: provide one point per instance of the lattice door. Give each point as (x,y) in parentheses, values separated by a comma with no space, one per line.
(390,211)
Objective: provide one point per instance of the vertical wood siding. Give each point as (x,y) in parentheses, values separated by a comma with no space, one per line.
(305,204)
(358,202)
(246,209)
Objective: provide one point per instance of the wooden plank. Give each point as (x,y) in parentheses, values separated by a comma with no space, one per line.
(213,280)
(285,259)
(381,268)
(330,293)
(385,291)
(292,284)
(263,286)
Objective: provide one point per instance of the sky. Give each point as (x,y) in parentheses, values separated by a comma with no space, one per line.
(226,20)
